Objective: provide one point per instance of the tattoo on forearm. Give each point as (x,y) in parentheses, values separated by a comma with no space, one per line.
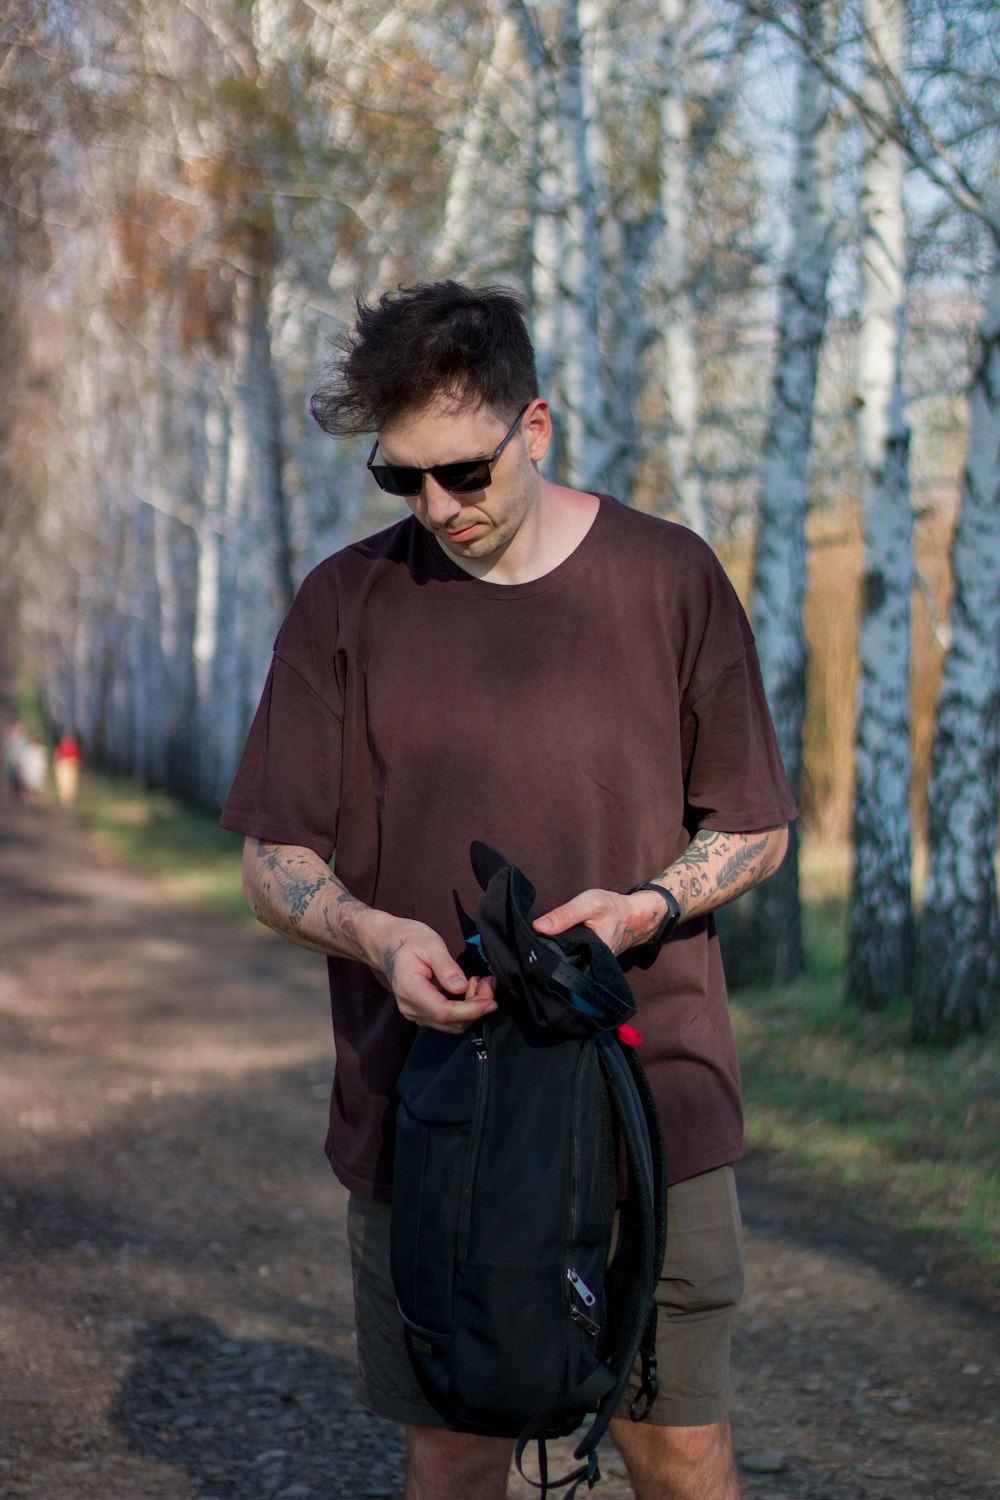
(740,863)
(293,883)
(716,867)
(288,887)
(705,846)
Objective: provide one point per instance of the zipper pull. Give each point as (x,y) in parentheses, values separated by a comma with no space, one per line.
(581,1288)
(478,1041)
(581,1318)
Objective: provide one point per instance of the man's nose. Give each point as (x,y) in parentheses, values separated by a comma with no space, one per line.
(441,504)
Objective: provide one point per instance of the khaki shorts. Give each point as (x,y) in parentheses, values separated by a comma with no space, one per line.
(698,1292)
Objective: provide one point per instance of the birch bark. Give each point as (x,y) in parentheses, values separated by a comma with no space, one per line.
(465,229)
(880,928)
(680,363)
(957,988)
(566,243)
(766,927)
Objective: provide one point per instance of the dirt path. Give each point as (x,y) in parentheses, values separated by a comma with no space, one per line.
(175,1284)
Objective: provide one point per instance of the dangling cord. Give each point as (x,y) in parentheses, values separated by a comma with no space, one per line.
(591,1474)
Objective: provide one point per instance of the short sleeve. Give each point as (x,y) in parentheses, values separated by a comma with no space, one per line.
(735,781)
(287,785)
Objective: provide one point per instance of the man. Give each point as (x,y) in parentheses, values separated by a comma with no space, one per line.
(574,683)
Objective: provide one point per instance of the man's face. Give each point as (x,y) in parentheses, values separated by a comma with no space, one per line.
(475,528)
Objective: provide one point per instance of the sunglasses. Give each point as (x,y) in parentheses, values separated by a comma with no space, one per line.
(460,479)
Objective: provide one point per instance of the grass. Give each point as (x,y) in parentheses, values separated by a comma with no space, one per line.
(195,862)
(839,1097)
(843,1100)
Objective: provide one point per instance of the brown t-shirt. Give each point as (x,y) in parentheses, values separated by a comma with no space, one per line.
(585,724)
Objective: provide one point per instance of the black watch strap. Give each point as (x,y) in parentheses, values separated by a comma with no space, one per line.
(673,912)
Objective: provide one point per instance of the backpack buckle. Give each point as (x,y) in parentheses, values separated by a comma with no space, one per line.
(648,1389)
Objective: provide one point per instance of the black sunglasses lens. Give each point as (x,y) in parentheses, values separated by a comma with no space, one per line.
(396,480)
(462,479)
(459,479)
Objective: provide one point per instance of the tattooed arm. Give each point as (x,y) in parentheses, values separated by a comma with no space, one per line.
(715,868)
(293,892)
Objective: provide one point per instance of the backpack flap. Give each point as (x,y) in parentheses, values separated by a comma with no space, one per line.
(571,981)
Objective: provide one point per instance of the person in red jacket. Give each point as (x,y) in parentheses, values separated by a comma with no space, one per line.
(66,759)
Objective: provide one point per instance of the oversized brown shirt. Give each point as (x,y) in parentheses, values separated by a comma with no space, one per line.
(587,724)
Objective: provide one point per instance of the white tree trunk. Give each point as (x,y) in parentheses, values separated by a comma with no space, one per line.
(583,374)
(677,321)
(463,231)
(957,987)
(566,255)
(880,940)
(770,921)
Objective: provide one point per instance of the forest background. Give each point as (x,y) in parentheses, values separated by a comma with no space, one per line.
(760,247)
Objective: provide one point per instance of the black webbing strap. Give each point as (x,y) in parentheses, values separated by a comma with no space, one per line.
(582,1398)
(613,1008)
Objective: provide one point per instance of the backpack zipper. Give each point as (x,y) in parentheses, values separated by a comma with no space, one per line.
(477,1039)
(581,1288)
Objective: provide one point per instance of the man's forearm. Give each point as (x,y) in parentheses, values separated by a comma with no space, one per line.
(715,868)
(294,893)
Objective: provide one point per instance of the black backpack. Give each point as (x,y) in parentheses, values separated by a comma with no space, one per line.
(521,1317)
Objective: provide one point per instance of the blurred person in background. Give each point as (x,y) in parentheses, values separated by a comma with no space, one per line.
(34,769)
(66,760)
(13,753)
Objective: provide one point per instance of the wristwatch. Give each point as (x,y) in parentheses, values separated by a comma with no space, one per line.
(671,917)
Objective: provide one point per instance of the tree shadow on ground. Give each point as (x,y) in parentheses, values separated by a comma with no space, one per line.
(253,1419)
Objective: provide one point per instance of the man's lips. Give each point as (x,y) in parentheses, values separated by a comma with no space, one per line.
(460,533)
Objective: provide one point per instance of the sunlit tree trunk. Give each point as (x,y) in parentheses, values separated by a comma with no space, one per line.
(957,988)
(262,393)
(465,230)
(566,276)
(765,930)
(676,316)
(583,374)
(880,931)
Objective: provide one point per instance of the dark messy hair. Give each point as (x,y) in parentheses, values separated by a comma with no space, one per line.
(440,338)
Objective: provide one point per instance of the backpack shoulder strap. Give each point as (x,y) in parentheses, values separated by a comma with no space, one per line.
(644,1235)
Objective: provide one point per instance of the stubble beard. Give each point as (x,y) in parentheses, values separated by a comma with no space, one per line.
(500,533)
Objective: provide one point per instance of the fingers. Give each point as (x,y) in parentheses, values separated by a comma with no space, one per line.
(557,920)
(608,914)
(431,990)
(425,1005)
(589,907)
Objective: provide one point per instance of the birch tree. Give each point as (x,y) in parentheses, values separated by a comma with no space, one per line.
(880,932)
(958,973)
(766,929)
(677,337)
(566,251)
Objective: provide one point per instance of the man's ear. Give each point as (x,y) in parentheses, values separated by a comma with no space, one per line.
(537,427)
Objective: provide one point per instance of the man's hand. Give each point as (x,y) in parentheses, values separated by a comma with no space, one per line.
(428,986)
(619,921)
(292,891)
